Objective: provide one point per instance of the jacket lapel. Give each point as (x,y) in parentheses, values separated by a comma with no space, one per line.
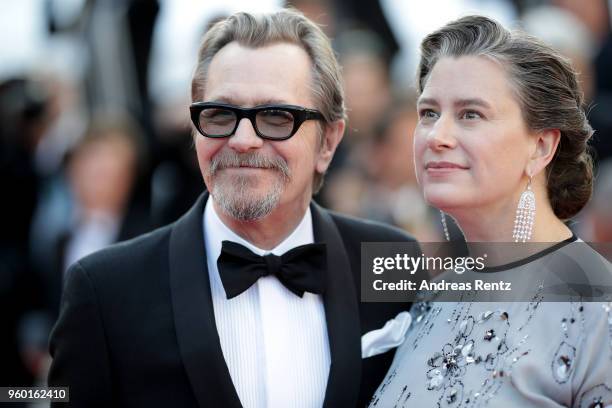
(341,314)
(194,318)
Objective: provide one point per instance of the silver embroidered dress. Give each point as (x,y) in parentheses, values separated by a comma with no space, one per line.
(531,353)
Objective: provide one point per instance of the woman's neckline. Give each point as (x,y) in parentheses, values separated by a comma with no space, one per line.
(530,258)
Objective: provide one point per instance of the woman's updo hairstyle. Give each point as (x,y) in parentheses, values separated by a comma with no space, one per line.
(546,87)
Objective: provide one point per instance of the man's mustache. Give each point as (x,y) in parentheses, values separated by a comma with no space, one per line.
(228,159)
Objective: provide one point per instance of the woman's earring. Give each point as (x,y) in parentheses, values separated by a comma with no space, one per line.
(444,226)
(525,215)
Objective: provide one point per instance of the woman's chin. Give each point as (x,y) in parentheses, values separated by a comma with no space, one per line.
(446,199)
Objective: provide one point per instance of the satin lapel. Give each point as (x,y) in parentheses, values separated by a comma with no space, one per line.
(194,318)
(341,314)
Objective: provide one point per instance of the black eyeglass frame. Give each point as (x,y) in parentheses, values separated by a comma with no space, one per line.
(299,113)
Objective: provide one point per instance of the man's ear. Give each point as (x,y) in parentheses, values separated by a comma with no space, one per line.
(545,146)
(332,135)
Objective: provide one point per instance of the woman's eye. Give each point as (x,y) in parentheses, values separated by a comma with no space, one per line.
(428,114)
(471,115)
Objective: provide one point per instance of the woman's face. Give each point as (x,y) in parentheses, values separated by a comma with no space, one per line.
(471,144)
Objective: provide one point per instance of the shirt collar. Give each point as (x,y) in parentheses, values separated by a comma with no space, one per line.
(215,231)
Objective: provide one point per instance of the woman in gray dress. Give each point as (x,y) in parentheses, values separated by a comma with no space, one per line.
(502,133)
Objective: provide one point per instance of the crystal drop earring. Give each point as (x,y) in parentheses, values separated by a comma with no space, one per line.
(525,215)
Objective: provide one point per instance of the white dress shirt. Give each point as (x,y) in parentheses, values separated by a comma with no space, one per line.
(275,343)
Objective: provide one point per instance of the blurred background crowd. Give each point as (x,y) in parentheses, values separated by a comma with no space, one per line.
(95,143)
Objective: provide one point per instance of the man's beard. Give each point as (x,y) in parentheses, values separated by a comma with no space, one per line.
(236,196)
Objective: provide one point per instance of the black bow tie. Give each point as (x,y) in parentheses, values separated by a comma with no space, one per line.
(301,269)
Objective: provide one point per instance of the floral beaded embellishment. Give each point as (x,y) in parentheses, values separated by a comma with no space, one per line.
(423,317)
(599,396)
(480,340)
(449,364)
(562,364)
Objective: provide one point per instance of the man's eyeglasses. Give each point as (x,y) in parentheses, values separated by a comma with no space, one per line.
(272,122)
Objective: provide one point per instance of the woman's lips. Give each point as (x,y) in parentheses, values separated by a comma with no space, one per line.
(440,167)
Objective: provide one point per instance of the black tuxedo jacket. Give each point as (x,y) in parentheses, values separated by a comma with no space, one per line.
(137,326)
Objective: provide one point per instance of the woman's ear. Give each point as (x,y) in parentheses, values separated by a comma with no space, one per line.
(545,146)
(332,135)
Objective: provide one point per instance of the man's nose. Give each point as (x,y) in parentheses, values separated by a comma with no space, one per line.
(245,138)
(443,134)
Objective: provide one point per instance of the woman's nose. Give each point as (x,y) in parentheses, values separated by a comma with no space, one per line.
(443,134)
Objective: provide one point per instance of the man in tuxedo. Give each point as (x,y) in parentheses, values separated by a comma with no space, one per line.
(252,297)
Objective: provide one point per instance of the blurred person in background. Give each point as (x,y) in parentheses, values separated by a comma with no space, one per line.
(252,297)
(596,18)
(570,36)
(594,15)
(394,181)
(322,12)
(24,117)
(101,172)
(602,101)
(366,83)
(411,21)
(387,182)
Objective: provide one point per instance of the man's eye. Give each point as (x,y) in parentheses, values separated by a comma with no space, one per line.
(218,115)
(277,117)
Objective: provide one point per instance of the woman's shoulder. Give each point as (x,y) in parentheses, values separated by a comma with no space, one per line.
(586,272)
